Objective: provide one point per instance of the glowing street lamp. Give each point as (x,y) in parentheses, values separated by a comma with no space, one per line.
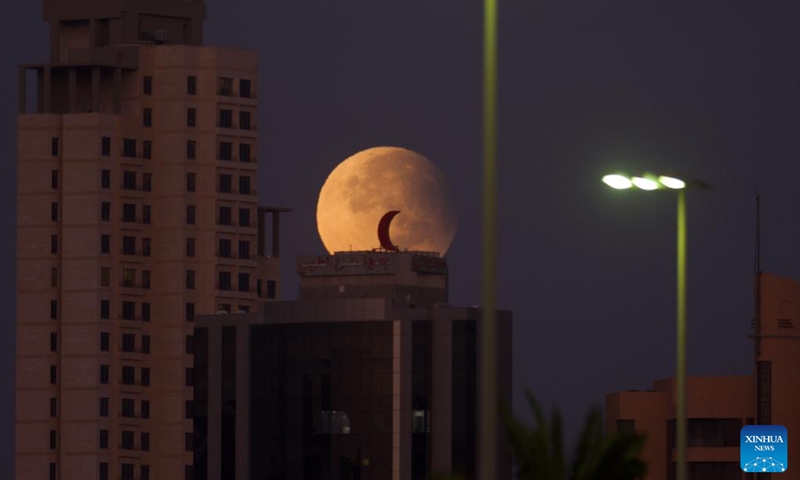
(649,183)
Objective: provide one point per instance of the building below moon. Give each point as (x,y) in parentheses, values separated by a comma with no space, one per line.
(371,374)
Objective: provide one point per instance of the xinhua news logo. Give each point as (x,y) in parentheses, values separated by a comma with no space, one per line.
(763,449)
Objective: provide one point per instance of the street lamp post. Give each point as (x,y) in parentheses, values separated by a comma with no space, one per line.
(652,182)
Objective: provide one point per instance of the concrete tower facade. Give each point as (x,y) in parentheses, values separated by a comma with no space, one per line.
(137,209)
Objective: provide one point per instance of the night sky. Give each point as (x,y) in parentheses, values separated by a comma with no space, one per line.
(708,88)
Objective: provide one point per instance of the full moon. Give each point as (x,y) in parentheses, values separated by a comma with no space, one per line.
(371,183)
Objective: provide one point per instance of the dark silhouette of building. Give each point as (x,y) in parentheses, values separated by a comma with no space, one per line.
(371,374)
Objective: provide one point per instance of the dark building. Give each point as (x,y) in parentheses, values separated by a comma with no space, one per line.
(370,375)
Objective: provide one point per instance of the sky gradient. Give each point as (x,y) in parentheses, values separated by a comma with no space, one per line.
(707,88)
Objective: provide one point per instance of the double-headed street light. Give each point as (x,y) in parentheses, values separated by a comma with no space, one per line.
(651,182)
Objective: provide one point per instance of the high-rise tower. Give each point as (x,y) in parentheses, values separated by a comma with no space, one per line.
(137,210)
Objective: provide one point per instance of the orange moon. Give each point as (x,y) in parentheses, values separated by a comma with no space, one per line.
(364,187)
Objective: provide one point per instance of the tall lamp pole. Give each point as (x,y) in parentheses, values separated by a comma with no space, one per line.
(487,374)
(652,182)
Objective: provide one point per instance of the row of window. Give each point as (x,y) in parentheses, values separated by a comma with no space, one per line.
(130,150)
(224,88)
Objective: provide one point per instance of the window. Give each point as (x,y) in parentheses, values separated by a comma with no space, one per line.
(244,185)
(190,344)
(145,311)
(271,289)
(244,152)
(191,85)
(129,147)
(244,282)
(105,146)
(54,211)
(188,472)
(129,180)
(53,309)
(53,375)
(53,407)
(226,86)
(626,425)
(53,342)
(53,276)
(191,149)
(146,377)
(129,212)
(190,377)
(105,212)
(126,471)
(104,374)
(225,307)
(103,439)
(129,245)
(189,441)
(53,438)
(244,308)
(144,470)
(147,149)
(225,183)
(225,151)
(244,88)
(224,215)
(105,309)
(190,279)
(127,441)
(145,442)
(103,471)
(145,343)
(53,243)
(190,247)
(244,249)
(189,409)
(128,375)
(244,217)
(146,214)
(105,276)
(146,279)
(191,180)
(103,406)
(224,281)
(128,310)
(147,182)
(147,86)
(190,312)
(145,409)
(105,341)
(105,243)
(105,178)
(128,342)
(191,117)
(54,146)
(226,118)
(147,117)
(244,120)
(128,277)
(52,471)
(190,214)
(54,179)
(146,247)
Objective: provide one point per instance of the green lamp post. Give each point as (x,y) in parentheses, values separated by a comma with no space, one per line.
(651,182)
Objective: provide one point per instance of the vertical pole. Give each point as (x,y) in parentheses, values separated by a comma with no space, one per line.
(487,374)
(681,341)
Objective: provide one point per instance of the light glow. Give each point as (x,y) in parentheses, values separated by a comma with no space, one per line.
(645,183)
(620,182)
(672,182)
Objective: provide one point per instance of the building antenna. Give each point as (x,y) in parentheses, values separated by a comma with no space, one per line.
(757,280)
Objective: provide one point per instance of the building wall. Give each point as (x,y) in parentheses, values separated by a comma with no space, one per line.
(81,287)
(710,401)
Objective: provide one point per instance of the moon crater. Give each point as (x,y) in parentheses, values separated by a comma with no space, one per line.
(364,187)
